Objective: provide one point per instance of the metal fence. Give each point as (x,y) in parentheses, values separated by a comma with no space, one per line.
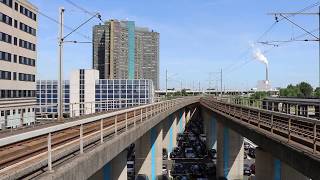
(78,133)
(294,129)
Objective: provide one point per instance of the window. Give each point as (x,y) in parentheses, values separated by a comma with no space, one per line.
(15,41)
(7,2)
(28,13)
(15,58)
(5,37)
(16,6)
(27,29)
(27,77)
(14,76)
(5,19)
(27,45)
(15,23)
(27,61)
(5,56)
(6,75)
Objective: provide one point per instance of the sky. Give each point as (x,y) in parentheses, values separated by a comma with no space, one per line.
(198,38)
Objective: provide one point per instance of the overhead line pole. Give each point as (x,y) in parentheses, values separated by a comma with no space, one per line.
(221,81)
(60,75)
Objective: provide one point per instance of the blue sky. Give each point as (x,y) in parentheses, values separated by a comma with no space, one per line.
(197,39)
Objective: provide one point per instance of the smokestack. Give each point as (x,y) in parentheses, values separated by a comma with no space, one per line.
(267,74)
(260,57)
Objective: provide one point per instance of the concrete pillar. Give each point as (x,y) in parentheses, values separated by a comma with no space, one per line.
(180,121)
(148,152)
(230,153)
(210,128)
(114,170)
(170,133)
(188,116)
(270,168)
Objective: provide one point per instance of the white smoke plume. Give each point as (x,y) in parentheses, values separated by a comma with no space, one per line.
(258,55)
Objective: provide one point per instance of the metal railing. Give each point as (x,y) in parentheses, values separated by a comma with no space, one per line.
(293,108)
(289,128)
(86,128)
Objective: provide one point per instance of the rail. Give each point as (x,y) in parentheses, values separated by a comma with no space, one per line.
(99,126)
(294,130)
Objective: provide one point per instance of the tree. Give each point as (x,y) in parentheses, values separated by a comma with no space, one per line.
(305,90)
(290,91)
(259,95)
(317,92)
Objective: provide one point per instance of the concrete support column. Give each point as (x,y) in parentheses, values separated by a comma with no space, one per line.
(180,121)
(230,153)
(270,168)
(210,128)
(188,116)
(114,170)
(148,152)
(170,133)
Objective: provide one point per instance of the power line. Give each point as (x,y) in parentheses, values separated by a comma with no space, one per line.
(54,20)
(265,33)
(82,9)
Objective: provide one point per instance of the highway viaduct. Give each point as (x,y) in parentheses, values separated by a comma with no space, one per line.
(93,146)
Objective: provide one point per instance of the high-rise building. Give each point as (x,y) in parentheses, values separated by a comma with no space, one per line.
(123,51)
(18,38)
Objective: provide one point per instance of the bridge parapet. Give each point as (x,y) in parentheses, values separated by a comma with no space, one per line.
(292,128)
(52,143)
(295,139)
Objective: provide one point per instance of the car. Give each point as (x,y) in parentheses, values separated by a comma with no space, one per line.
(253,168)
(246,170)
(212,154)
(252,153)
(246,145)
(142,177)
(178,168)
(130,168)
(203,137)
(164,154)
(189,153)
(164,169)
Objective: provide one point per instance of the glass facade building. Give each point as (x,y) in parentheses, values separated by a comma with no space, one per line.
(109,95)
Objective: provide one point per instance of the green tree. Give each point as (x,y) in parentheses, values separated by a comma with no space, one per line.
(305,90)
(259,95)
(317,92)
(290,91)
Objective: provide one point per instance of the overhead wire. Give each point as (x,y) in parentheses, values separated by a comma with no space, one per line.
(53,19)
(232,68)
(83,9)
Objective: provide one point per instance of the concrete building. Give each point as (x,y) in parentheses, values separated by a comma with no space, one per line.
(123,51)
(18,39)
(85,93)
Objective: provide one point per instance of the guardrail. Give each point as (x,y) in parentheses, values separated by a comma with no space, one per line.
(101,126)
(285,107)
(294,129)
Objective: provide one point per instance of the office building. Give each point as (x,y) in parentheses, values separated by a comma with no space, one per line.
(47,97)
(85,93)
(123,51)
(18,39)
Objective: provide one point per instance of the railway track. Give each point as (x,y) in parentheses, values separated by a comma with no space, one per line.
(30,153)
(294,129)
(21,151)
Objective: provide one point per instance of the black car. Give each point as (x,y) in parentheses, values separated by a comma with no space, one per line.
(164,154)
